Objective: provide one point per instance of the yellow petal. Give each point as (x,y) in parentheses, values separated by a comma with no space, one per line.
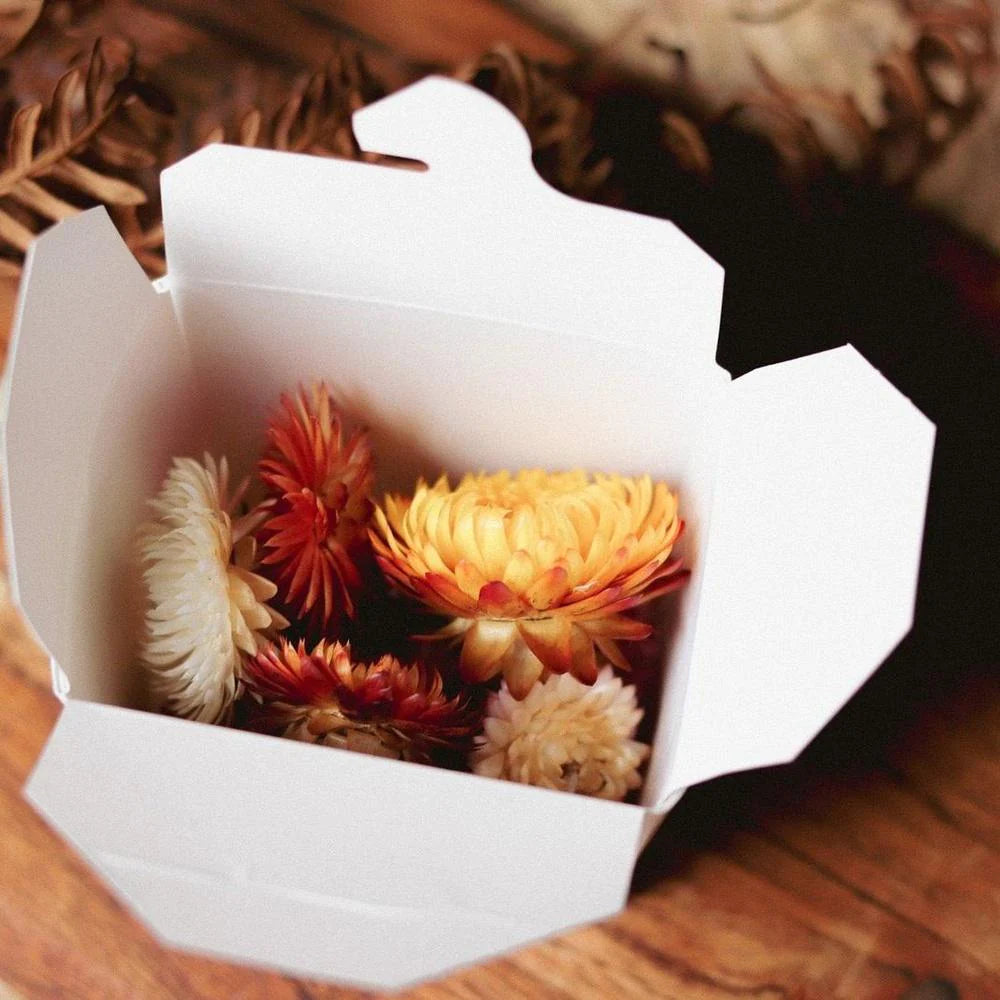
(520,572)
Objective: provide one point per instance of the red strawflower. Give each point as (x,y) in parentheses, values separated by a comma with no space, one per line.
(319,507)
(384,708)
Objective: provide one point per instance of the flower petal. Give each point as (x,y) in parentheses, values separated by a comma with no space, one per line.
(549,640)
(497,600)
(486,643)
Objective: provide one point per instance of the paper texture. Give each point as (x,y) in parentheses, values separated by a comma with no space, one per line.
(99,401)
(812,561)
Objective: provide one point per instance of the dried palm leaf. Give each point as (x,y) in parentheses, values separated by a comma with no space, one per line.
(68,156)
(16,20)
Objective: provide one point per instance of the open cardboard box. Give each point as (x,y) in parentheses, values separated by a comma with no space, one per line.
(473,318)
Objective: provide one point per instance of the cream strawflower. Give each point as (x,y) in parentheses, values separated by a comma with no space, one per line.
(205,610)
(565,735)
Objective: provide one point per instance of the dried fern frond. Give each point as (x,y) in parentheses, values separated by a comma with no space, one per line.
(16,19)
(558,122)
(69,155)
(316,117)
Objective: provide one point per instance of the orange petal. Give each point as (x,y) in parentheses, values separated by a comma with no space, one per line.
(485,644)
(521,669)
(549,589)
(448,592)
(610,649)
(616,627)
(584,660)
(497,600)
(549,640)
(673,582)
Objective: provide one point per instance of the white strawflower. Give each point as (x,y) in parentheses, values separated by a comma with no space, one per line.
(204,609)
(564,735)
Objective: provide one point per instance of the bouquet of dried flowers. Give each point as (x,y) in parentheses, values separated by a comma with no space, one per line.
(477,625)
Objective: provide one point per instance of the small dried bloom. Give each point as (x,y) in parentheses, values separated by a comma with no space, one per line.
(564,735)
(319,507)
(205,610)
(382,708)
(535,569)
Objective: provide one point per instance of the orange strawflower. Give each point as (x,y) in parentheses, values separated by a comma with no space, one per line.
(535,569)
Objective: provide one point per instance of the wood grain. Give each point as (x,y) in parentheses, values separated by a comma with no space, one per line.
(870,865)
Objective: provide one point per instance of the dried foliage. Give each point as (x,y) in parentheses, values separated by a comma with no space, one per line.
(557,121)
(16,20)
(74,152)
(316,117)
(105,133)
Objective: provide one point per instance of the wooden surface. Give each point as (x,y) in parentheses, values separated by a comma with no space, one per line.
(866,868)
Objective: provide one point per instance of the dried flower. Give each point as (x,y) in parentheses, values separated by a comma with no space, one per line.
(534,569)
(205,610)
(564,735)
(382,708)
(319,507)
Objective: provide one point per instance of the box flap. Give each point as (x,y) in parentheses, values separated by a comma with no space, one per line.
(95,357)
(478,233)
(410,852)
(811,566)
(306,934)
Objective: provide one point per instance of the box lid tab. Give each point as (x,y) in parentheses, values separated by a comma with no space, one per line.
(812,558)
(477,234)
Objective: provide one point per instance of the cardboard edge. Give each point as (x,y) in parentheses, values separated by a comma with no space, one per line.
(922,435)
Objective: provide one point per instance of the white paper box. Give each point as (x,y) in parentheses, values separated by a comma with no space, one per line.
(473,318)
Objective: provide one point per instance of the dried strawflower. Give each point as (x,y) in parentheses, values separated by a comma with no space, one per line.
(319,507)
(382,708)
(564,735)
(205,610)
(534,569)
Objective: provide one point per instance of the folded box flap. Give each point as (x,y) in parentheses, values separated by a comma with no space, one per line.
(478,233)
(94,353)
(168,804)
(812,559)
(309,934)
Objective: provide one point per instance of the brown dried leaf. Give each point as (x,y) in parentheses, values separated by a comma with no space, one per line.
(63,99)
(315,117)
(21,139)
(684,139)
(249,129)
(78,141)
(16,20)
(120,153)
(111,190)
(145,240)
(14,233)
(35,197)
(558,122)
